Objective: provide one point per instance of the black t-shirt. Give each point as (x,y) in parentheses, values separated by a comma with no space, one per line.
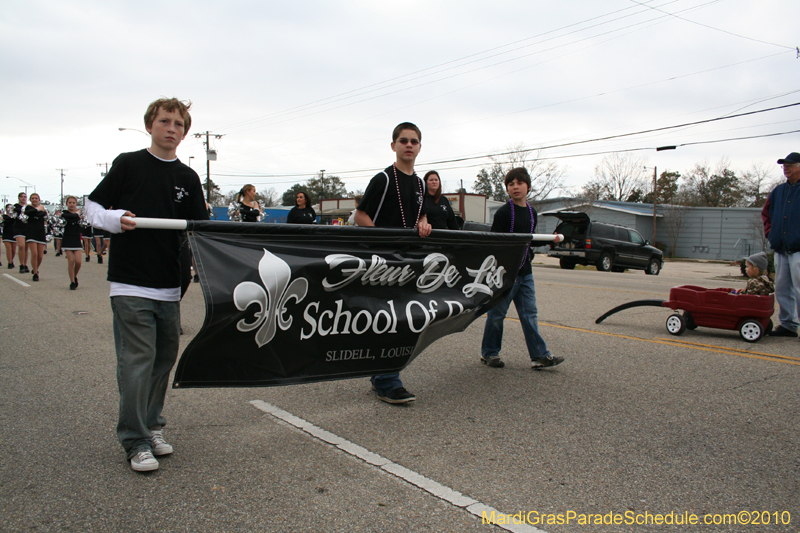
(441,215)
(248,214)
(522,224)
(385,210)
(146,186)
(307,215)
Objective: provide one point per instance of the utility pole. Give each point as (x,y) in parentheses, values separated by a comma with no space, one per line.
(211,155)
(62,170)
(322,188)
(655,201)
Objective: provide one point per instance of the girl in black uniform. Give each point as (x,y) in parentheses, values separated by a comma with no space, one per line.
(36,234)
(71,240)
(8,234)
(20,229)
(248,209)
(302,212)
(440,213)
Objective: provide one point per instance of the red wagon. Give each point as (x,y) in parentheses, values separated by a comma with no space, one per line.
(713,308)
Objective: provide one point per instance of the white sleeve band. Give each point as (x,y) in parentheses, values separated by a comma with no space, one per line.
(99,217)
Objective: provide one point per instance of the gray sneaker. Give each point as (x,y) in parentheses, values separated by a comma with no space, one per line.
(144,461)
(160,446)
(550,360)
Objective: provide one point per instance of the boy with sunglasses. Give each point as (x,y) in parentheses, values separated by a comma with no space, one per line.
(395,198)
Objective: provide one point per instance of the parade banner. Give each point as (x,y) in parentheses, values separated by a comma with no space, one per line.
(293,303)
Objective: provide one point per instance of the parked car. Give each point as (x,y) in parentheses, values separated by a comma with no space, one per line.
(607,246)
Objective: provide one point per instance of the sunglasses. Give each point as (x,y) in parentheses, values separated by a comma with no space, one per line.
(403,140)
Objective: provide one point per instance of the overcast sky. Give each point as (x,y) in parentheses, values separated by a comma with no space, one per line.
(297,87)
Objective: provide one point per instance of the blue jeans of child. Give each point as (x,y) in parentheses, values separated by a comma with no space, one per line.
(386,383)
(787,289)
(523,294)
(146,338)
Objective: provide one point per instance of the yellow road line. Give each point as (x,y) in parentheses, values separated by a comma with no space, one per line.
(686,344)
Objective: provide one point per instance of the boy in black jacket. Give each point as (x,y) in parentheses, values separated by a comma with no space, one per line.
(145,273)
(395,198)
(517,217)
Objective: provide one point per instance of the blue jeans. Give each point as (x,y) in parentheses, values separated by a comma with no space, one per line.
(523,293)
(386,383)
(146,337)
(787,289)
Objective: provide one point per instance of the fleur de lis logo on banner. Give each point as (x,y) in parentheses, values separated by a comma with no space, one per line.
(271,298)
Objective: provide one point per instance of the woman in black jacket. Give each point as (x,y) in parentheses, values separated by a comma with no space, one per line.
(302,212)
(440,213)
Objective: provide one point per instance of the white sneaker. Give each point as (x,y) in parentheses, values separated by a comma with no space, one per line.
(144,462)
(160,446)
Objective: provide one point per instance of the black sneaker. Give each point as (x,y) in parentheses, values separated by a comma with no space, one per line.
(781,331)
(100,259)
(550,360)
(196,278)
(36,277)
(27,270)
(494,362)
(73,286)
(10,266)
(396,396)
(22,269)
(88,258)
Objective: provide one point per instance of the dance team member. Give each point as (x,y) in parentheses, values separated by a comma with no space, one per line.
(145,273)
(302,212)
(71,240)
(248,209)
(8,234)
(440,212)
(20,229)
(395,198)
(36,232)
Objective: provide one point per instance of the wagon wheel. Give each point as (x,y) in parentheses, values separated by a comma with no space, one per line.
(676,324)
(751,330)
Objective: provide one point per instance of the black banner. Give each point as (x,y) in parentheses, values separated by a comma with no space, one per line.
(293,303)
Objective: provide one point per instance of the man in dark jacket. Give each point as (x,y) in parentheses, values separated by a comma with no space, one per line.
(781,215)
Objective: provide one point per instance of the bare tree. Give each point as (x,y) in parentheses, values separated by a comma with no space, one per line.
(757,184)
(546,176)
(673,222)
(619,176)
(268,197)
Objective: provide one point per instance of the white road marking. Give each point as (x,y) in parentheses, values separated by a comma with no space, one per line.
(9,276)
(428,485)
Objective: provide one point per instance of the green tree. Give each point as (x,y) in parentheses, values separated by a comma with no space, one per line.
(216,198)
(721,188)
(290,196)
(491,184)
(326,187)
(667,189)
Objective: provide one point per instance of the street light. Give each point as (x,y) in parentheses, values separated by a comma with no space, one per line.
(134,129)
(190,160)
(23,181)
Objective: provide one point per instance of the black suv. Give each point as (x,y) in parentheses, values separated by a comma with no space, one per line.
(608,246)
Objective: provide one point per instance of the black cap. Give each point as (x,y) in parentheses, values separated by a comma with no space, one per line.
(794,157)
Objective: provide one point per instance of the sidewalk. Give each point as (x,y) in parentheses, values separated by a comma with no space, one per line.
(672,267)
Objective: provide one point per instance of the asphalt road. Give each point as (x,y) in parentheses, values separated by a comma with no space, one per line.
(634,421)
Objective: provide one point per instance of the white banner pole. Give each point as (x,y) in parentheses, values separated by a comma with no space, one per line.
(159,223)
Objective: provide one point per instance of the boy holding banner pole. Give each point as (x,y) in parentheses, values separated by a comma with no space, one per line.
(395,198)
(145,273)
(517,217)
